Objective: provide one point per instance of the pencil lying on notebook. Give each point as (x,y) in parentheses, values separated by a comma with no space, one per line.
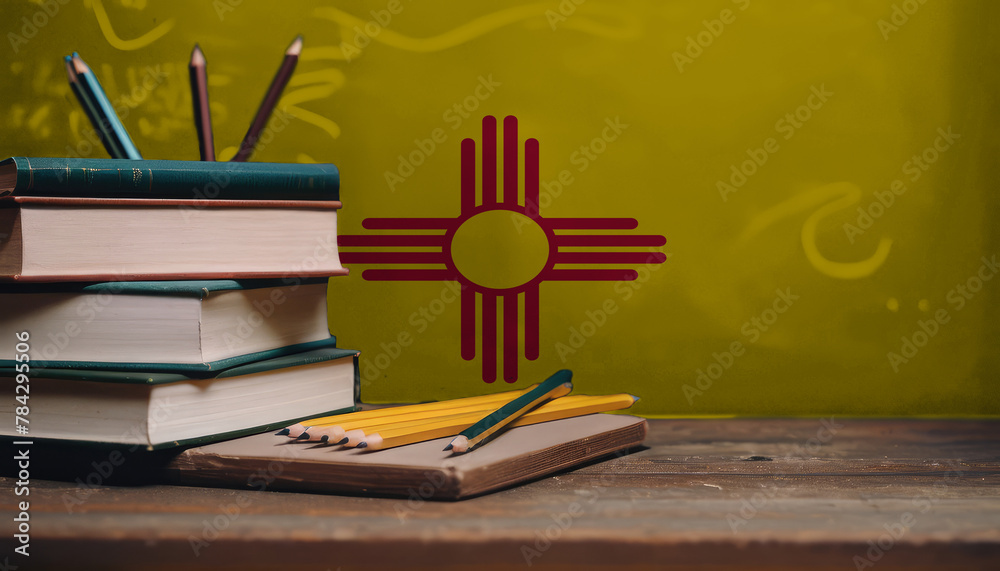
(556,409)
(489,426)
(351,432)
(296,430)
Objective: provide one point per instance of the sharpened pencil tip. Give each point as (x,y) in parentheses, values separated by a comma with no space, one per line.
(635,399)
(362,445)
(70,70)
(296,47)
(447,448)
(303,436)
(342,441)
(282,432)
(79,65)
(197,56)
(324,438)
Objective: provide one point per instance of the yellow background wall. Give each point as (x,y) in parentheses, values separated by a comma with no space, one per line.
(893,74)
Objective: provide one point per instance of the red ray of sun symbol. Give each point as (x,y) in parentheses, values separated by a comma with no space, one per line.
(560,251)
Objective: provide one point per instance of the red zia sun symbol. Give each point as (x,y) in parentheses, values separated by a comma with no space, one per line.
(472,221)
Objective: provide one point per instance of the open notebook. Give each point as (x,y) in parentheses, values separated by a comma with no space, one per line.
(265,461)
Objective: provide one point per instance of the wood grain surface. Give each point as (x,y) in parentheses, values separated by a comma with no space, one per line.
(743,493)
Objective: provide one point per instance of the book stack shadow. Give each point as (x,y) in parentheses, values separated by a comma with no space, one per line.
(152,305)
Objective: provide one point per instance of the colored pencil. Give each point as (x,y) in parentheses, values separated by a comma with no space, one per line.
(88,108)
(355,431)
(555,409)
(462,419)
(295,430)
(91,87)
(555,386)
(270,100)
(199,98)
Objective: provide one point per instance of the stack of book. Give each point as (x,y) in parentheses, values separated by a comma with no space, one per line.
(162,303)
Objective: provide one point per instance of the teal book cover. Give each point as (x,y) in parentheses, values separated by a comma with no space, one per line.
(131,372)
(152,178)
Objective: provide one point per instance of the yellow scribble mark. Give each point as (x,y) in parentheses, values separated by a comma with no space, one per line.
(36,119)
(315,119)
(630,29)
(322,53)
(327,82)
(841,270)
(843,195)
(457,36)
(126,45)
(329,76)
(227,153)
(474,29)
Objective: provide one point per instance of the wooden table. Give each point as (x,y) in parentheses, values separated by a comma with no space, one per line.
(746,493)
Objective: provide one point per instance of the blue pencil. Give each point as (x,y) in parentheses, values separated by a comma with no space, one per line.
(106,113)
(92,115)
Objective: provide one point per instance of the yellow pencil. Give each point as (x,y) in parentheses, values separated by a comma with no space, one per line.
(556,409)
(296,430)
(354,430)
(357,431)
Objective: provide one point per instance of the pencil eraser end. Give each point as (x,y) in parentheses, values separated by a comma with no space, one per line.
(372,442)
(354,437)
(459,445)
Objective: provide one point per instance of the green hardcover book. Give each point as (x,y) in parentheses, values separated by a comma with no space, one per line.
(116,178)
(159,410)
(166,325)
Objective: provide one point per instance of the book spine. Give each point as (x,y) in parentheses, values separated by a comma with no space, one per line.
(198,180)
